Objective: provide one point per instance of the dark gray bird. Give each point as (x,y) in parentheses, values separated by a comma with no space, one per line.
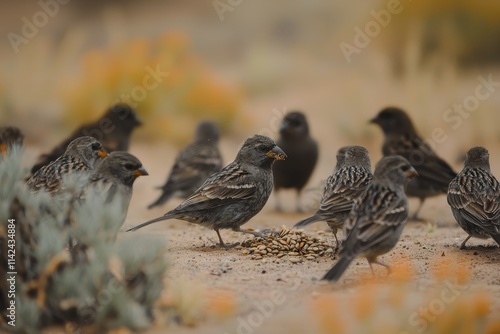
(401,138)
(80,157)
(10,137)
(474,197)
(350,178)
(302,152)
(231,197)
(113,130)
(194,164)
(113,179)
(378,217)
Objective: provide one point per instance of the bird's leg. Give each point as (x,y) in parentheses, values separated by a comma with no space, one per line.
(336,240)
(220,239)
(334,231)
(415,216)
(462,246)
(370,261)
(371,268)
(222,244)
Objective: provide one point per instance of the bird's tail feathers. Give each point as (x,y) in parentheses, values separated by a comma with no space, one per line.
(165,217)
(307,221)
(338,269)
(496,237)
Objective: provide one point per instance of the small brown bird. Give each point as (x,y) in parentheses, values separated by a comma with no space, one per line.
(474,197)
(230,198)
(10,137)
(351,177)
(114,177)
(80,157)
(194,164)
(302,156)
(378,217)
(401,138)
(112,130)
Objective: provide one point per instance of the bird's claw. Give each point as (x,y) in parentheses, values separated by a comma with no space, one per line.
(228,246)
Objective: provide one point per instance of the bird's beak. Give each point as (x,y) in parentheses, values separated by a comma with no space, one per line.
(141,171)
(276,153)
(3,149)
(102,153)
(138,121)
(374,120)
(411,172)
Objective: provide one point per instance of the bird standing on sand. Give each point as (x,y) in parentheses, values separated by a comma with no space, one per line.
(401,138)
(194,164)
(378,217)
(350,178)
(302,152)
(80,157)
(474,197)
(231,197)
(113,130)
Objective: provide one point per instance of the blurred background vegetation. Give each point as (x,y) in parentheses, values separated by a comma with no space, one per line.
(239,65)
(244,68)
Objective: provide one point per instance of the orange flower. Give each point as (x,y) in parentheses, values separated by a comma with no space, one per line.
(481,304)
(326,311)
(221,303)
(364,302)
(493,327)
(188,93)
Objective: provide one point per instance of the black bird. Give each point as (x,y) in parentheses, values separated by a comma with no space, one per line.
(378,217)
(80,157)
(474,197)
(350,178)
(113,130)
(10,137)
(194,164)
(231,197)
(302,152)
(401,138)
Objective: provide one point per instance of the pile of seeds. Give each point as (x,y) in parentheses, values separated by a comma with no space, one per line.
(293,243)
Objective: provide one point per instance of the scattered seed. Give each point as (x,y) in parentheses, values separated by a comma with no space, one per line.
(294,243)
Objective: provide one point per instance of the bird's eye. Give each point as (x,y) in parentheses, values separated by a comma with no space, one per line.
(96,146)
(263,148)
(129,166)
(405,168)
